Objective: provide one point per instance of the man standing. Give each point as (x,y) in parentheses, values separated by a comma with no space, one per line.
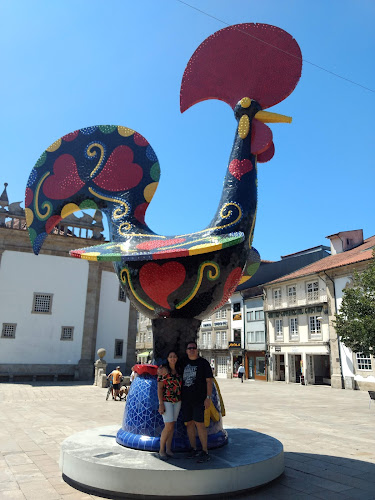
(115,376)
(196,398)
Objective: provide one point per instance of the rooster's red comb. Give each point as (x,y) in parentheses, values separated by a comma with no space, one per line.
(258,61)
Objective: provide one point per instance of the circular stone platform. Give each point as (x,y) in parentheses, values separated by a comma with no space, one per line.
(92,461)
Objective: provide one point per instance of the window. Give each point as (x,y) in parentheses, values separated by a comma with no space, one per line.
(237,335)
(313,291)
(121,294)
(277,297)
(279,329)
(255,315)
(315,329)
(237,307)
(204,338)
(209,337)
(67,332)
(9,331)
(119,346)
(42,303)
(221,339)
(218,314)
(259,315)
(257,337)
(223,313)
(363,361)
(292,294)
(293,328)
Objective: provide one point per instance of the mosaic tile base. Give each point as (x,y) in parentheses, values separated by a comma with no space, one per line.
(142,424)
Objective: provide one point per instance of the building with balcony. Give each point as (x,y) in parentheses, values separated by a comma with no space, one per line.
(214,336)
(144,339)
(254,339)
(300,310)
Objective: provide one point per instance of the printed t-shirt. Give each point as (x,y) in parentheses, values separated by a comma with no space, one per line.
(194,385)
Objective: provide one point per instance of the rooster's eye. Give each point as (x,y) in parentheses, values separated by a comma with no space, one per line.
(245,102)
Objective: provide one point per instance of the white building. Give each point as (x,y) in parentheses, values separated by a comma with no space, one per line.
(300,311)
(57,311)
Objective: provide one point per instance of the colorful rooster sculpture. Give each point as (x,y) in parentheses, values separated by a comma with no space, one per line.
(175,280)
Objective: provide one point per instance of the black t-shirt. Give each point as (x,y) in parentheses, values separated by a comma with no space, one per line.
(194,385)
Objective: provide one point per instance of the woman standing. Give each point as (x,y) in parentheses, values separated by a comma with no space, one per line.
(169,394)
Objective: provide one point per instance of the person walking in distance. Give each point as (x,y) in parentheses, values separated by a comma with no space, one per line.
(241,372)
(196,398)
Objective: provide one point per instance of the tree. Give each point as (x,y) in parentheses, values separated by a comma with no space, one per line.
(355,323)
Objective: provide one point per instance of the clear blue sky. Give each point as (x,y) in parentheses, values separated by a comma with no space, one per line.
(71,64)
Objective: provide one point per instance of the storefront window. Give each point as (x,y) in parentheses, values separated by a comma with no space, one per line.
(260,365)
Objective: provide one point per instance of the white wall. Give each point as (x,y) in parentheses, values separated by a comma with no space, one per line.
(38,335)
(113,318)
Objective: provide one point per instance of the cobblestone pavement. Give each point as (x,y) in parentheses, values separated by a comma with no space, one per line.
(328,436)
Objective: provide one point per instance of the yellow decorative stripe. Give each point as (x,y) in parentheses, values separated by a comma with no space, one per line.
(211,413)
(45,204)
(106,198)
(91,153)
(200,249)
(211,277)
(221,399)
(126,271)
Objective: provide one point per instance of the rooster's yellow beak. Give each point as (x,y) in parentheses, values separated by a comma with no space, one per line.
(267,117)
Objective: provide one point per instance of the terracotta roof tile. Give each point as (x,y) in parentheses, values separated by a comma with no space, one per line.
(359,254)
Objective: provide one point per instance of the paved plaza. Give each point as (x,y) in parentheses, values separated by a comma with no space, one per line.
(328,436)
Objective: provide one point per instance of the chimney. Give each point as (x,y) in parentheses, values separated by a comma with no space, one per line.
(345,240)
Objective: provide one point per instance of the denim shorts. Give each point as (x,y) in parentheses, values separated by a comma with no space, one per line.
(171,411)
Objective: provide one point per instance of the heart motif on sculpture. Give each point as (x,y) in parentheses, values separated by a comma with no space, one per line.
(238,168)
(230,286)
(65,181)
(120,173)
(158,282)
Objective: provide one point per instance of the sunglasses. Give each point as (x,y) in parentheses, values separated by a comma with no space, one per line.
(191,348)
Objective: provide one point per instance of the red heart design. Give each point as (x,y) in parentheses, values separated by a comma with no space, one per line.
(65,180)
(140,212)
(230,286)
(120,173)
(160,281)
(238,168)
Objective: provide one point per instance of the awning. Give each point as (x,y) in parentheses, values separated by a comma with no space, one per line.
(143,354)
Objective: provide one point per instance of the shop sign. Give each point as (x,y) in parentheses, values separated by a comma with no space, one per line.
(234,345)
(221,323)
(278,348)
(237,317)
(296,312)
(206,324)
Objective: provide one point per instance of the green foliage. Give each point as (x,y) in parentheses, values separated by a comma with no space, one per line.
(355,323)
